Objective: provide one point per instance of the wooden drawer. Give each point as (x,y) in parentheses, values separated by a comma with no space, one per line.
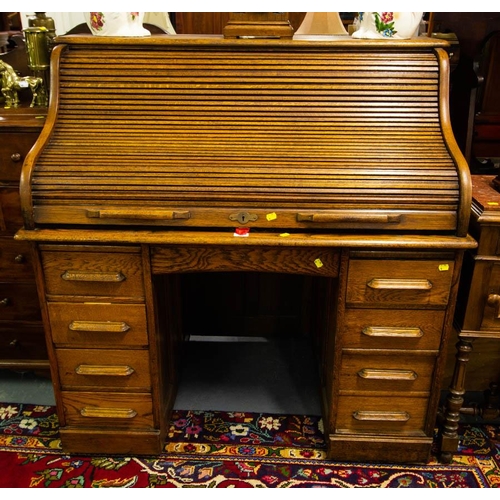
(386,372)
(93,273)
(11,219)
(98,325)
(386,329)
(19,301)
(374,415)
(15,260)
(386,283)
(14,148)
(112,409)
(21,340)
(96,369)
(487,278)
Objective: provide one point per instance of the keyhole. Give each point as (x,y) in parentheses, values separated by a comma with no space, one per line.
(243,220)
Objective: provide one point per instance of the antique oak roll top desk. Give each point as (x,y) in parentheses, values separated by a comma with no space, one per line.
(338,156)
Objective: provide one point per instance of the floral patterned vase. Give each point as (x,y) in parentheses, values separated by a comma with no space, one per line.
(116,23)
(396,25)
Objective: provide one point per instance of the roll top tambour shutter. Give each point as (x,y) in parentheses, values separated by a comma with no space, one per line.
(339,137)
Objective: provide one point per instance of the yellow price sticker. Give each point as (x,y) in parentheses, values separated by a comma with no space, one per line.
(493,203)
(284,235)
(271,216)
(444,267)
(318,263)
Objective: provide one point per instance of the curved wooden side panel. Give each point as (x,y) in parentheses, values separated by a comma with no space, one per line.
(451,143)
(32,156)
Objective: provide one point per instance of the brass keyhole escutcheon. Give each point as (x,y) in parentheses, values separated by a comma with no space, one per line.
(243,217)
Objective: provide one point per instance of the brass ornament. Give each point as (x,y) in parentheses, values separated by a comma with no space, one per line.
(12,83)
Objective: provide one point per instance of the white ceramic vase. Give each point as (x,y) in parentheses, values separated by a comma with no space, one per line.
(116,23)
(396,25)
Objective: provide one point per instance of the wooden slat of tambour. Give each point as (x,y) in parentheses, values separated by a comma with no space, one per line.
(294,130)
(332,88)
(260,105)
(182,166)
(80,90)
(251,138)
(284,58)
(324,185)
(238,153)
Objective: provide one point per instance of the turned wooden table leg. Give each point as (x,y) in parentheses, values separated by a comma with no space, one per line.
(448,443)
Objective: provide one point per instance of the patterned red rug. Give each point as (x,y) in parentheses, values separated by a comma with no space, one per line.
(223,449)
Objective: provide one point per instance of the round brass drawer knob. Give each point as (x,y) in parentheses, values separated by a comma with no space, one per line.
(15,157)
(20,258)
(493,299)
(5,302)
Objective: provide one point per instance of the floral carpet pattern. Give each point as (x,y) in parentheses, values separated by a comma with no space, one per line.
(228,449)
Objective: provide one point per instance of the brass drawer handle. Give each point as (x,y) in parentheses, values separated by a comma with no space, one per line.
(99,326)
(138,214)
(396,284)
(94,412)
(114,277)
(346,217)
(5,302)
(387,374)
(105,370)
(15,157)
(387,331)
(381,416)
(19,259)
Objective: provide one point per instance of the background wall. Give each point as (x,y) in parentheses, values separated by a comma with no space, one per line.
(65,21)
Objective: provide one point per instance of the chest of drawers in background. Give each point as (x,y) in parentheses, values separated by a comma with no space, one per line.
(22,342)
(477,319)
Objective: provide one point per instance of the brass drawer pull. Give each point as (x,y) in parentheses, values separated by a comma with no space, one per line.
(381,416)
(15,157)
(99,326)
(114,277)
(346,217)
(387,331)
(138,214)
(5,302)
(94,412)
(105,370)
(396,284)
(388,374)
(19,259)
(494,301)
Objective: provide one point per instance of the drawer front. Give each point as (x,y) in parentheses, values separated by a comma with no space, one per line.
(388,372)
(384,283)
(386,329)
(98,325)
(95,369)
(107,274)
(14,148)
(19,301)
(15,260)
(491,312)
(113,409)
(374,415)
(11,219)
(19,340)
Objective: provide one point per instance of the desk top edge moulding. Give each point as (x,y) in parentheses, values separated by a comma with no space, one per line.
(335,159)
